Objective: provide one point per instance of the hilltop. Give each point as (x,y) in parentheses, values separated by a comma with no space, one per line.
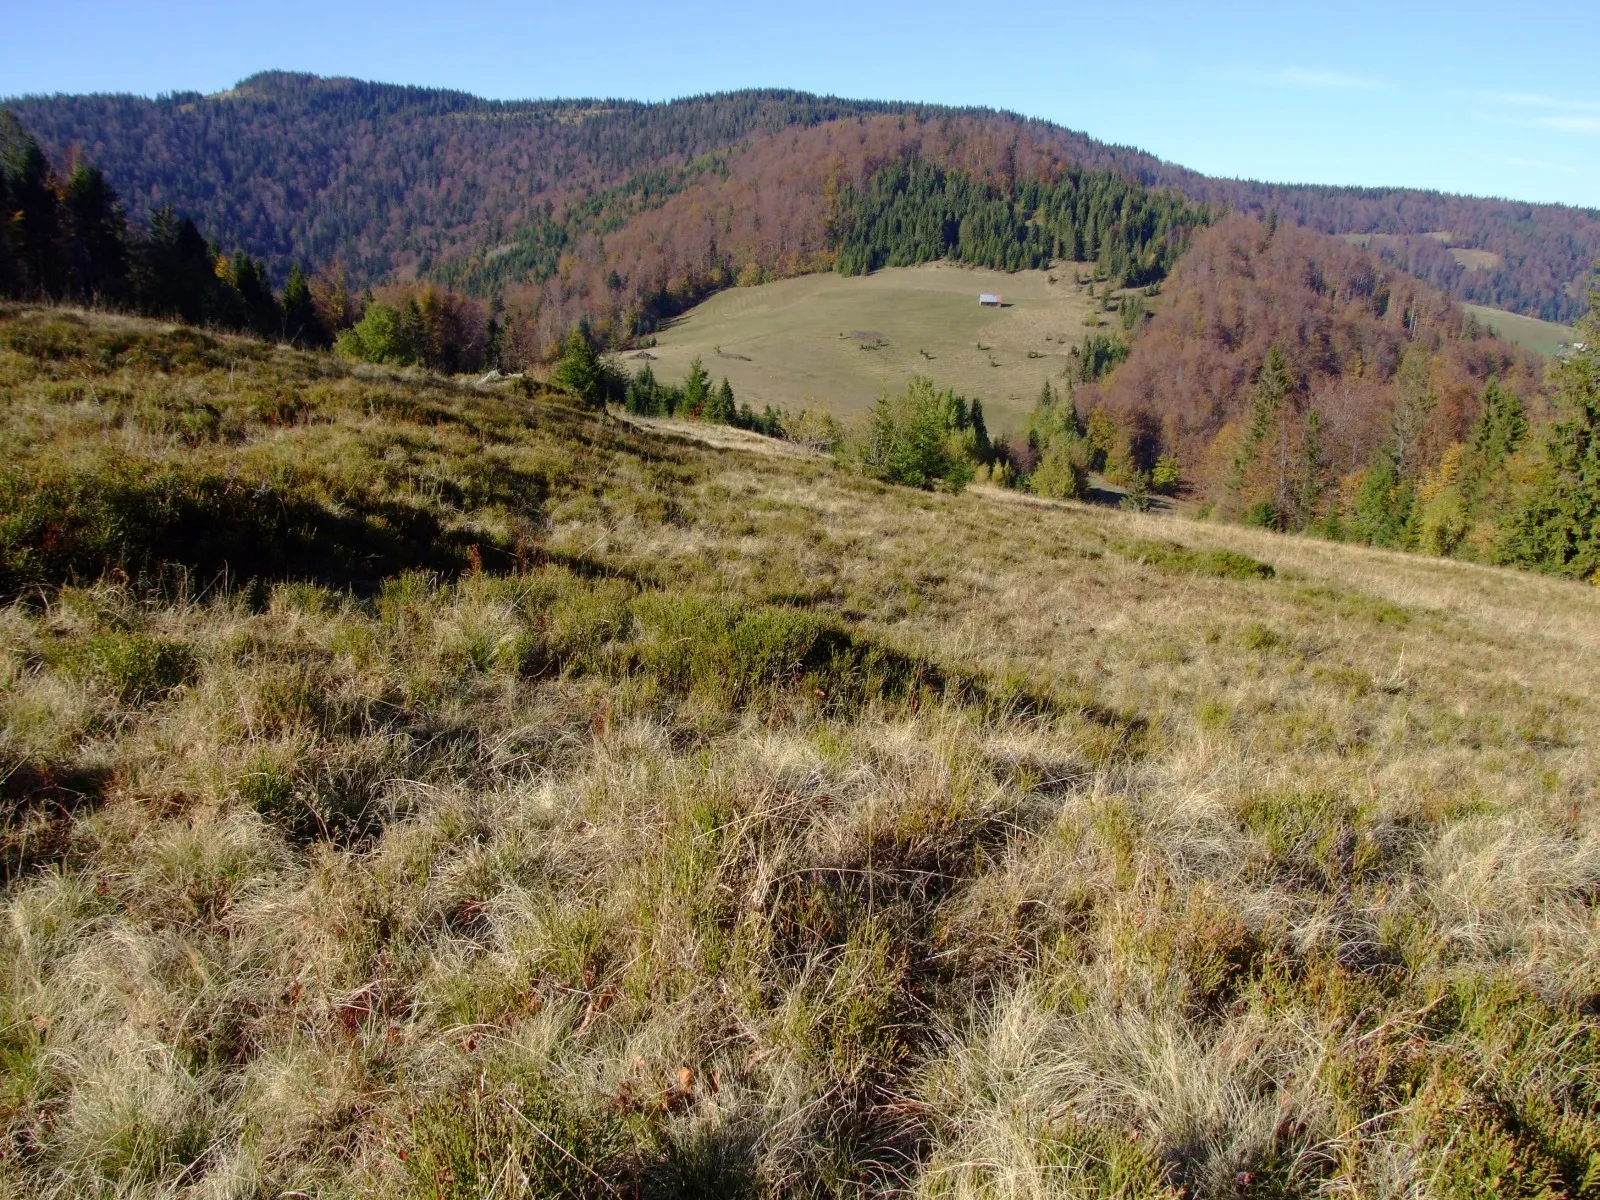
(419,788)
(397,182)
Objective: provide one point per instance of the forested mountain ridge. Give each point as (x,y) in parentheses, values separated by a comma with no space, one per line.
(397,181)
(310,169)
(815,199)
(1343,325)
(1303,385)
(1527,258)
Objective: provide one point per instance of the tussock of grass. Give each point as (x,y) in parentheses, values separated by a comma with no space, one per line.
(1182,560)
(678,823)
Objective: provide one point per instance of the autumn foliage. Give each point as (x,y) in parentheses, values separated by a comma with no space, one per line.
(1368,359)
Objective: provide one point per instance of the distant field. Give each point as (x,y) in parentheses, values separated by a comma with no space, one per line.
(831,342)
(1474,260)
(1542,337)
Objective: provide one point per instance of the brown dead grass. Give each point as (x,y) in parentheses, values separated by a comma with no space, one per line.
(1069,870)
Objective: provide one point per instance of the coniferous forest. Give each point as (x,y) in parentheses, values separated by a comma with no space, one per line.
(67,238)
(912,211)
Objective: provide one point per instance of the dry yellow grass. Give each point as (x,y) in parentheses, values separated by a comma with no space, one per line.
(782,833)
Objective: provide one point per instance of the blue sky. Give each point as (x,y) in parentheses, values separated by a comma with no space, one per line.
(1488,99)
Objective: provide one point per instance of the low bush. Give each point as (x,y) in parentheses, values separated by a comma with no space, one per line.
(137,668)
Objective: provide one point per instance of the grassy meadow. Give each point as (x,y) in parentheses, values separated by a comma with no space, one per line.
(419,791)
(1542,337)
(832,342)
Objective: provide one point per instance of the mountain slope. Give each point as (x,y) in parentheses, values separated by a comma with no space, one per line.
(1345,324)
(700,825)
(382,176)
(396,180)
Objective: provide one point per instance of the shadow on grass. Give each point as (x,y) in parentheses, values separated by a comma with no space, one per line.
(38,802)
(119,521)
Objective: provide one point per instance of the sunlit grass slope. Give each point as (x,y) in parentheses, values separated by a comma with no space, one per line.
(1542,337)
(832,342)
(538,806)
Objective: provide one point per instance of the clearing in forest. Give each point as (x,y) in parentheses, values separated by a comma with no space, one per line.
(834,342)
(1542,337)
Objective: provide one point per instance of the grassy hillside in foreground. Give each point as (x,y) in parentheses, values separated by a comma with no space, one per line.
(1542,337)
(833,342)
(707,824)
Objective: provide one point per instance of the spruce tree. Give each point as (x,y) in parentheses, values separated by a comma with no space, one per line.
(259,308)
(1555,526)
(1308,482)
(1502,424)
(643,397)
(578,371)
(301,325)
(32,218)
(720,406)
(982,448)
(175,271)
(1414,402)
(413,332)
(97,239)
(696,389)
(1383,505)
(9,284)
(1274,385)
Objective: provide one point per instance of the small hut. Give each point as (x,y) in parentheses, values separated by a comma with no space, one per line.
(988,300)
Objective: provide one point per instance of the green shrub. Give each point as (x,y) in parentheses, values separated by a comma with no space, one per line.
(383,335)
(270,791)
(327,796)
(522,1138)
(1312,834)
(918,438)
(1063,470)
(136,667)
(1107,1161)
(1185,560)
(1257,636)
(1442,523)
(697,643)
(1166,475)
(517,1133)
(1263,514)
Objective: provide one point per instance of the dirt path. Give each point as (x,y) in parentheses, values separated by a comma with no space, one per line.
(722,437)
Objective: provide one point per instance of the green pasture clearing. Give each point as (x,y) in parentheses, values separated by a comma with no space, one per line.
(831,342)
(1473,260)
(1542,337)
